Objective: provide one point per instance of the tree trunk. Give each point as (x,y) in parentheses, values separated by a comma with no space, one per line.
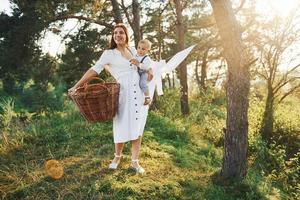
(173,79)
(203,70)
(136,21)
(169,80)
(197,73)
(154,105)
(237,91)
(159,35)
(117,12)
(182,68)
(268,117)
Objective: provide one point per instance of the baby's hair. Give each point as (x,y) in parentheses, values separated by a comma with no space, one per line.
(147,42)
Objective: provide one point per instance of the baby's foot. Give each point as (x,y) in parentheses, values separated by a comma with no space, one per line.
(147,100)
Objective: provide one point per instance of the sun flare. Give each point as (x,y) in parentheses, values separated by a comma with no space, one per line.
(280,8)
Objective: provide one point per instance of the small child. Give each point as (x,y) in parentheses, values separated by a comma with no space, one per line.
(143,62)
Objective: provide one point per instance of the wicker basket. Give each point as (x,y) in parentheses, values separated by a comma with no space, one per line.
(97,102)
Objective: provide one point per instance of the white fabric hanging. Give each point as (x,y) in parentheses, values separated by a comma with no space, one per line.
(162,67)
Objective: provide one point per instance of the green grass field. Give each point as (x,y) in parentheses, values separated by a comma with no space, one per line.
(182,158)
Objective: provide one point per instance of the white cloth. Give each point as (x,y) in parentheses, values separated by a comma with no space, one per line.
(130,120)
(162,67)
(156,82)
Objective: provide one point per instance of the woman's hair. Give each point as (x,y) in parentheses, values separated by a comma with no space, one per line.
(113,44)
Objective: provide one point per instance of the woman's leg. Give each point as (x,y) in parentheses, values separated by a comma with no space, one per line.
(118,152)
(135,149)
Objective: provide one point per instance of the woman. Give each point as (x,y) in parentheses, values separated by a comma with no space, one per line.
(129,122)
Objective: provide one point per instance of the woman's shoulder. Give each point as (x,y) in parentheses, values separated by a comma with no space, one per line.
(132,49)
(107,52)
(113,52)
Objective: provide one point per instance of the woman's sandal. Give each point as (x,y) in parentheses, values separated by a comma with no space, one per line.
(139,169)
(147,100)
(114,165)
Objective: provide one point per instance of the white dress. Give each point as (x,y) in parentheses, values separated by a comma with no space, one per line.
(130,120)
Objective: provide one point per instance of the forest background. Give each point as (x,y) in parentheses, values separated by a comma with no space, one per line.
(227,126)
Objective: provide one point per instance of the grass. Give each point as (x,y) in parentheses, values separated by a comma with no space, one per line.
(181,159)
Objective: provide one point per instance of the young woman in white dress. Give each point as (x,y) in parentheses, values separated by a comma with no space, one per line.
(129,122)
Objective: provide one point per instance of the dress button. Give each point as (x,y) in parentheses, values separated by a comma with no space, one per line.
(135,104)
(136,111)
(134,97)
(136,118)
(134,91)
(134,85)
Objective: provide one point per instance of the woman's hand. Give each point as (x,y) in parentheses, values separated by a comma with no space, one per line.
(72,90)
(88,74)
(107,68)
(150,74)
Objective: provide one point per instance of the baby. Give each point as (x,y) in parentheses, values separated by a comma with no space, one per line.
(143,62)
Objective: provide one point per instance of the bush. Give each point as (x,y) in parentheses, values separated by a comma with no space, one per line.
(37,100)
(281,171)
(287,126)
(6,112)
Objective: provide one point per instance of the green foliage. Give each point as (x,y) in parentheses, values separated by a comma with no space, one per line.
(6,113)
(19,33)
(169,103)
(43,71)
(278,170)
(38,100)
(276,163)
(287,126)
(22,59)
(84,48)
(208,116)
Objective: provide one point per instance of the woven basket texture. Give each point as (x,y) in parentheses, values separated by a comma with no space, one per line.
(97,102)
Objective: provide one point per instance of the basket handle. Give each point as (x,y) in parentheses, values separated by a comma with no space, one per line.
(86,85)
(94,78)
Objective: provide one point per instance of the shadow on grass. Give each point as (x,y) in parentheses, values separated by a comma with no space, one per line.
(232,189)
(174,138)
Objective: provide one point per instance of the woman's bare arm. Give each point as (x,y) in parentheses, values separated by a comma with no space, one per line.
(88,74)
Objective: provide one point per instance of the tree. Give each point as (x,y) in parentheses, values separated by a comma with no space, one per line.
(237,91)
(180,30)
(18,33)
(202,31)
(117,12)
(277,38)
(133,19)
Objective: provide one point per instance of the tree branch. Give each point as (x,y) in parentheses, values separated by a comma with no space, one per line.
(102,23)
(125,9)
(184,5)
(289,92)
(240,7)
(285,76)
(262,75)
(284,83)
